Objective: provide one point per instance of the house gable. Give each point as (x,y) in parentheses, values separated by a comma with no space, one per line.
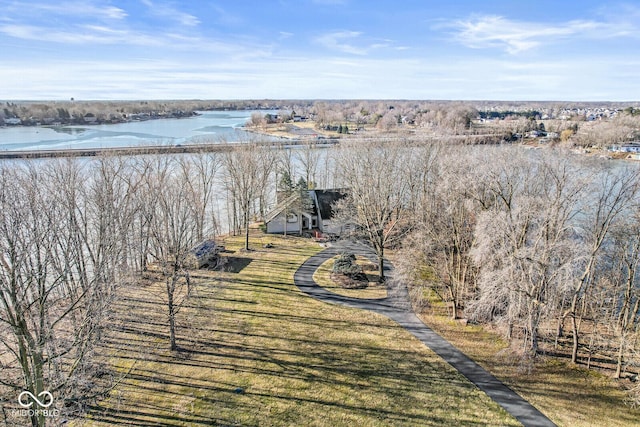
(319,216)
(325,200)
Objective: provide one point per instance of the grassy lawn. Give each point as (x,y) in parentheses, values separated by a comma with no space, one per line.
(375,289)
(258,352)
(285,130)
(569,395)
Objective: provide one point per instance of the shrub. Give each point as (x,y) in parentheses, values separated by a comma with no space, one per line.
(346,264)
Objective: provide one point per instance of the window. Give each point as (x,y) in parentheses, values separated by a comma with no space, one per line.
(292,218)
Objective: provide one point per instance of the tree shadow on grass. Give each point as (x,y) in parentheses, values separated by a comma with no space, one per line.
(396,379)
(393,373)
(297,360)
(153,416)
(236,264)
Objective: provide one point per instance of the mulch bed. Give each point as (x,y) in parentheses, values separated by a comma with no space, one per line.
(358,281)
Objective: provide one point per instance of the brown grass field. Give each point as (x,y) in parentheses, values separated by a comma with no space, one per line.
(255,351)
(569,395)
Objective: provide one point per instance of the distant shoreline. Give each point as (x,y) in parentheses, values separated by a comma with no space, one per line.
(143,150)
(73,113)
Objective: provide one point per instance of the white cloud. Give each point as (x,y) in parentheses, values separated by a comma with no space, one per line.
(169,60)
(81,34)
(519,36)
(321,77)
(226,18)
(167,11)
(331,2)
(67,8)
(351,42)
(92,34)
(338,41)
(623,20)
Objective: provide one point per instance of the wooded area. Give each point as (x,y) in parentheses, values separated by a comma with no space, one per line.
(542,244)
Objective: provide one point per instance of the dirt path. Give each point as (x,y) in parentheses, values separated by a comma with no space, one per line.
(398,307)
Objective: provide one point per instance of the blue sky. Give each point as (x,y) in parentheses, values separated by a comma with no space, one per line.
(331,49)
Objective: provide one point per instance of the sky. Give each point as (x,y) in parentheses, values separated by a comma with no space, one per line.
(569,50)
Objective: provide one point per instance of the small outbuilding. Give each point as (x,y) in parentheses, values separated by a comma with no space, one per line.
(206,254)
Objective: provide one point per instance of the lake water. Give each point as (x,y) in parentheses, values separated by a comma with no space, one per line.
(209,126)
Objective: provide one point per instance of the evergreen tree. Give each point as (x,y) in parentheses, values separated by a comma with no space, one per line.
(287,187)
(286,183)
(302,184)
(305,203)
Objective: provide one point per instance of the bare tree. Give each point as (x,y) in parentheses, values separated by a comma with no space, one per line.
(614,191)
(308,155)
(437,251)
(111,205)
(247,171)
(625,295)
(285,167)
(197,173)
(268,162)
(327,164)
(54,280)
(524,243)
(173,232)
(374,175)
(445,233)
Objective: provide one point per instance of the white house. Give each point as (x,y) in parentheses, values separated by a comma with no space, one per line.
(288,216)
(628,147)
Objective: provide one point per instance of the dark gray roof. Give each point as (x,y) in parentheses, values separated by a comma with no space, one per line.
(326,198)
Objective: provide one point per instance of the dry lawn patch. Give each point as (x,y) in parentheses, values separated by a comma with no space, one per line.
(571,396)
(256,351)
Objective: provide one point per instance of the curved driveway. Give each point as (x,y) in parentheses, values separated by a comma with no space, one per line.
(398,307)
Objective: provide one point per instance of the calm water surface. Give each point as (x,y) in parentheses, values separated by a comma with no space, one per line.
(210,126)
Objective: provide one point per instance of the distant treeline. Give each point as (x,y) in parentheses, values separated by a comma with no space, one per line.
(30,113)
(386,114)
(532,114)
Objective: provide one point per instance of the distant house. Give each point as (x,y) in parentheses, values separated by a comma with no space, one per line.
(287,216)
(628,147)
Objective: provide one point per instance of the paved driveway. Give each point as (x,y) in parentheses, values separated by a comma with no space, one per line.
(398,307)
